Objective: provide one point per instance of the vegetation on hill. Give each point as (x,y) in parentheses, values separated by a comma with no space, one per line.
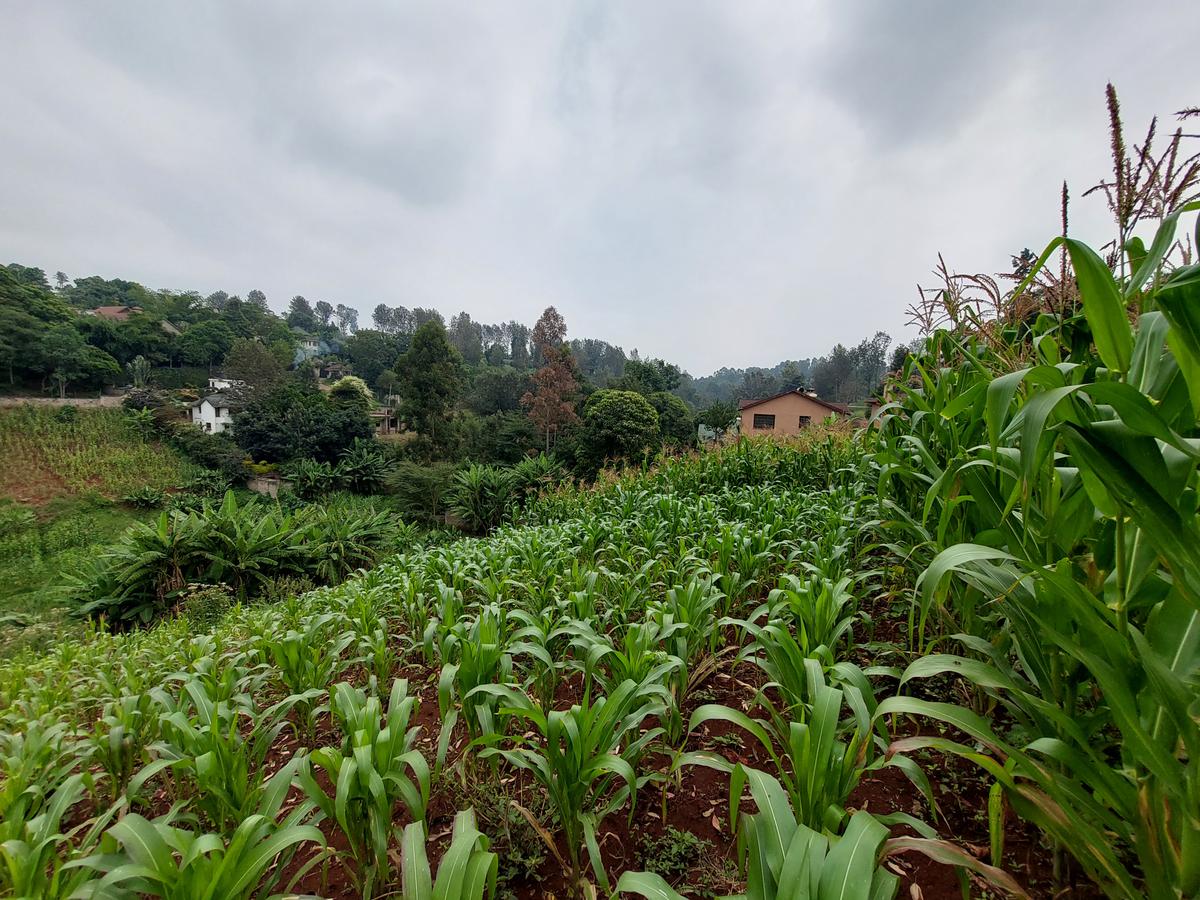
(70,452)
(957,649)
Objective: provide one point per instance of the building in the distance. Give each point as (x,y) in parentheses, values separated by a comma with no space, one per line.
(214,412)
(787,413)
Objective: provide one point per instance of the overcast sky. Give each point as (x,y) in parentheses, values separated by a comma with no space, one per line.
(716,183)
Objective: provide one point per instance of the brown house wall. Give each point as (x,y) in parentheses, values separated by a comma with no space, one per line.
(787,411)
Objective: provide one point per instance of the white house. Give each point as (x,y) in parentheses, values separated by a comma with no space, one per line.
(213,413)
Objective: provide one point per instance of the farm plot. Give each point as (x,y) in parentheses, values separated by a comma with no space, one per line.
(616,694)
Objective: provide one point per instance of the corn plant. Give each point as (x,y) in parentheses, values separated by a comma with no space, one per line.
(218,767)
(34,849)
(483,658)
(1039,476)
(120,742)
(375,767)
(785,858)
(467,869)
(585,759)
(306,662)
(157,859)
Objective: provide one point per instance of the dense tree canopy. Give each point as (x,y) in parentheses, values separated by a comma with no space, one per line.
(293,421)
(430,379)
(617,426)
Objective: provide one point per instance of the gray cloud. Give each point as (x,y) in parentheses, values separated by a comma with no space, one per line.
(719,184)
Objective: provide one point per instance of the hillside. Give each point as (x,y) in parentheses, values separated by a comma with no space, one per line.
(64,474)
(62,453)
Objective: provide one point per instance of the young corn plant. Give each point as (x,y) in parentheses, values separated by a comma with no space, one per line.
(818,758)
(157,859)
(219,768)
(785,858)
(483,658)
(120,742)
(585,758)
(467,869)
(376,767)
(307,662)
(34,848)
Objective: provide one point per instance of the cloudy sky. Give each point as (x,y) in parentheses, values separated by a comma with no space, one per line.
(717,183)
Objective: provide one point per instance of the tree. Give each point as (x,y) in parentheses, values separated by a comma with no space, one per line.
(551,403)
(647,377)
(421,316)
(430,379)
(676,424)
(497,389)
(372,353)
(518,353)
(61,281)
(848,374)
(347,318)
(18,340)
(66,359)
(550,330)
(719,417)
(791,377)
(324,313)
(618,426)
(300,314)
(294,422)
(467,337)
(206,343)
(350,390)
(259,299)
(757,384)
(253,363)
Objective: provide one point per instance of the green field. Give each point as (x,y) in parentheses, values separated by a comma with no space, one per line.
(60,492)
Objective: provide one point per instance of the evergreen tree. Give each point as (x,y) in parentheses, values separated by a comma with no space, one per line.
(430,380)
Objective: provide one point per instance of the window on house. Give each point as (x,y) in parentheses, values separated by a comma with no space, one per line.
(222,412)
(805,421)
(763,420)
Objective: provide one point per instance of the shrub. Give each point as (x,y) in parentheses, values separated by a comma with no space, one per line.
(145,498)
(204,605)
(420,491)
(481,495)
(66,415)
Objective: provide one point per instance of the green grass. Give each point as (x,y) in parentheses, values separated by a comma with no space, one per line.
(62,474)
(52,453)
(34,558)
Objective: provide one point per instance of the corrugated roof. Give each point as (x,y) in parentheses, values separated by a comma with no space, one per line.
(834,407)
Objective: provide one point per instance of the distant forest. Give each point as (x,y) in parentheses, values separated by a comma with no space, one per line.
(48,341)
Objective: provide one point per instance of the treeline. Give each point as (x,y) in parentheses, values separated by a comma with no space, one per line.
(186,328)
